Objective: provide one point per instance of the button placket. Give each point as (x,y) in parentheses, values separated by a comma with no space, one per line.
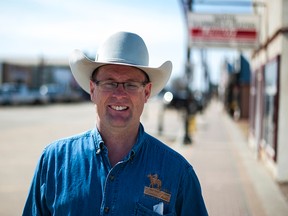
(109,188)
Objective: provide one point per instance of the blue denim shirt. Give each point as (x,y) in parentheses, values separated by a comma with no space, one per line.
(74,177)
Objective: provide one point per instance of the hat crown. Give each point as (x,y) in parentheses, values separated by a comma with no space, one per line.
(124,48)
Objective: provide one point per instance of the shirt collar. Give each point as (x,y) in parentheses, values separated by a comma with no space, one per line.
(139,142)
(99,143)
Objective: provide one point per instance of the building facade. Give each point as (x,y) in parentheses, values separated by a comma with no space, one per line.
(269,88)
(49,77)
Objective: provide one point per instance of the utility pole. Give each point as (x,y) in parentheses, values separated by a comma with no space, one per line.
(188,7)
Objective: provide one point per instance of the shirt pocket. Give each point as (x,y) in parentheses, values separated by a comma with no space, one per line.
(144,211)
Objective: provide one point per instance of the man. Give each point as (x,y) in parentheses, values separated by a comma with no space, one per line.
(115,168)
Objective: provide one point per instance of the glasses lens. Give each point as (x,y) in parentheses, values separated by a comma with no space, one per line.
(132,86)
(108,85)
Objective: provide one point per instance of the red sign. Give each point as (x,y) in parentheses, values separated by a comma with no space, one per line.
(221,34)
(223,30)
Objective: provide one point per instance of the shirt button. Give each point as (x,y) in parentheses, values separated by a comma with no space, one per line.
(111,177)
(106,210)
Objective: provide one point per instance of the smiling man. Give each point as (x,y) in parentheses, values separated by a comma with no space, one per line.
(115,168)
(119,93)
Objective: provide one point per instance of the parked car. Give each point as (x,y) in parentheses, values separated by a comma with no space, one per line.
(5,93)
(60,93)
(17,94)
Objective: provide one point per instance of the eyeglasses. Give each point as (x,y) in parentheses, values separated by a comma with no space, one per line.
(110,85)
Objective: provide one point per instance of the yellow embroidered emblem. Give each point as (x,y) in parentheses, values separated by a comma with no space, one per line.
(154,189)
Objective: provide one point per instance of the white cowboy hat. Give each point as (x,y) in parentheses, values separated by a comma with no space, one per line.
(122,48)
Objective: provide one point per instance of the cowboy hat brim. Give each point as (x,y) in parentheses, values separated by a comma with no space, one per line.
(82,69)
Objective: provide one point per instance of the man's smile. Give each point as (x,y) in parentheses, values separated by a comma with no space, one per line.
(118,108)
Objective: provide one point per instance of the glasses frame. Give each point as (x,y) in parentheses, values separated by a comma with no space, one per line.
(129,86)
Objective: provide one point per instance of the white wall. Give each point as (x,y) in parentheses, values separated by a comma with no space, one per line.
(277,11)
(282,151)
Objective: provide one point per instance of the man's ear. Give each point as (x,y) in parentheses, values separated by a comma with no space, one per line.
(92,90)
(148,88)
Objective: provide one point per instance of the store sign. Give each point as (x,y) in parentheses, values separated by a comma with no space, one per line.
(228,30)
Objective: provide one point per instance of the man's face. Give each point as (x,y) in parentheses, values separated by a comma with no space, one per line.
(118,108)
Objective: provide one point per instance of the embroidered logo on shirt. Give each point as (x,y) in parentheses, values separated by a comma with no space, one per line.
(154,188)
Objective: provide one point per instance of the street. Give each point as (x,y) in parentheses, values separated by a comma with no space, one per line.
(233,182)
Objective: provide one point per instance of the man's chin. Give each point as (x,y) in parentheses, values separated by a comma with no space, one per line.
(119,123)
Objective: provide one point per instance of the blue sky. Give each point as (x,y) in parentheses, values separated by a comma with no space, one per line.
(53,28)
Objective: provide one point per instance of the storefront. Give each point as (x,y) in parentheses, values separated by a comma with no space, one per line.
(268,95)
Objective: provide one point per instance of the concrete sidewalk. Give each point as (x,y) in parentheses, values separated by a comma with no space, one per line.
(234,183)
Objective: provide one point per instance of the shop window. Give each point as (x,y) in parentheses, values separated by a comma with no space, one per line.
(271,73)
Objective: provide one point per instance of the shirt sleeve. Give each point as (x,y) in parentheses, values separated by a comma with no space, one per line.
(190,200)
(36,204)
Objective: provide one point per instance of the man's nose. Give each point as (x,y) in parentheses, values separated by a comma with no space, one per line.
(120,90)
